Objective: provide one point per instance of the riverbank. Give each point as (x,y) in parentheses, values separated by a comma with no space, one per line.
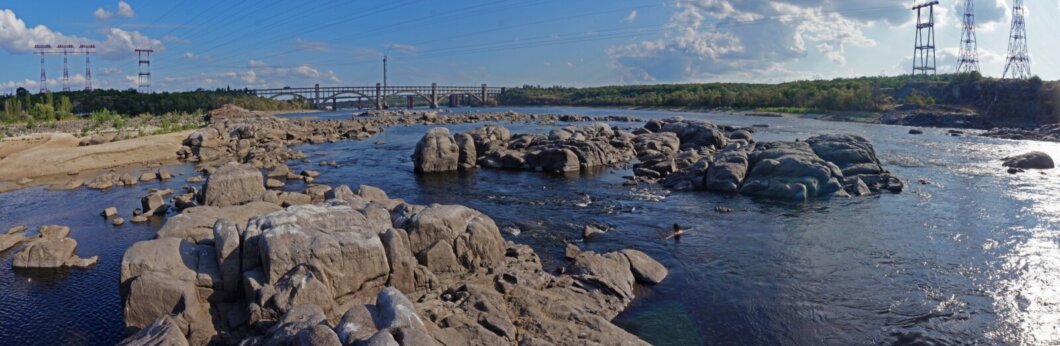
(44,159)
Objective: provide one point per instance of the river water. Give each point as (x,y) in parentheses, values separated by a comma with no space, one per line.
(970,257)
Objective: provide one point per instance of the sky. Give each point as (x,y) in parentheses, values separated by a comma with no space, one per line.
(276,43)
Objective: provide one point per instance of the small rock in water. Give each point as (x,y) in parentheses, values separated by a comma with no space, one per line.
(118,221)
(149,176)
(723,210)
(274,184)
(591,231)
(512,231)
(379,142)
(109,212)
(138,219)
(915,132)
(16,229)
(571,251)
(195,179)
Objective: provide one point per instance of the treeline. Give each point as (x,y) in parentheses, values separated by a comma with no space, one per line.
(852,94)
(24,106)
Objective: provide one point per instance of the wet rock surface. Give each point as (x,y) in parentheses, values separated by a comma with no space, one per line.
(1031,160)
(676,153)
(425,275)
(51,248)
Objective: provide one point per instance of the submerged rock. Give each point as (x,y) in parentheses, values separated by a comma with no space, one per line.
(1031,160)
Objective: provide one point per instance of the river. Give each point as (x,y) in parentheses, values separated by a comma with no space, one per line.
(971,255)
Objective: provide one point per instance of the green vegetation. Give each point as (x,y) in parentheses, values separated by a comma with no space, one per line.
(32,109)
(853,94)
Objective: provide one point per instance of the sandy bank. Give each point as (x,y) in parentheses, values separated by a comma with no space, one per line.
(47,155)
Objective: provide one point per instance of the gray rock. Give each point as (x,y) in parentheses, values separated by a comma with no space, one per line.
(52,249)
(437,151)
(468,155)
(154,204)
(328,239)
(233,184)
(1031,160)
(402,263)
(164,331)
(197,223)
(472,236)
(644,268)
(727,172)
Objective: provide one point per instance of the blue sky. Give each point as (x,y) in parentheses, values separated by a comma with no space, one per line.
(275,43)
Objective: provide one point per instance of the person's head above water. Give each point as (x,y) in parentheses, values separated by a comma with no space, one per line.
(676,227)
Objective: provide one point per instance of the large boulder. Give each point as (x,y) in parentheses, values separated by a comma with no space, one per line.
(164,331)
(169,277)
(645,269)
(468,154)
(328,239)
(728,170)
(610,271)
(393,320)
(197,223)
(233,184)
(490,138)
(1031,160)
(856,158)
(558,160)
(437,151)
(695,134)
(442,232)
(791,171)
(51,249)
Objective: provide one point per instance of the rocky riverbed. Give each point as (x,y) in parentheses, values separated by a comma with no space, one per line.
(679,154)
(361,267)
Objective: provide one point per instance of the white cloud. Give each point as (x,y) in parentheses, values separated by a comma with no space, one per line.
(312,46)
(257,74)
(730,39)
(404,48)
(631,17)
(124,11)
(17,38)
(174,39)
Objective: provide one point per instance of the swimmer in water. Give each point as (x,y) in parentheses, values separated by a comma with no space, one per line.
(678,232)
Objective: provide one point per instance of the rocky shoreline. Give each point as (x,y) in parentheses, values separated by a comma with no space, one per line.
(361,268)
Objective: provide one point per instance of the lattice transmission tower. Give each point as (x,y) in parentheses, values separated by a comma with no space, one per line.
(42,50)
(144,78)
(968,61)
(1018,63)
(66,49)
(924,45)
(88,49)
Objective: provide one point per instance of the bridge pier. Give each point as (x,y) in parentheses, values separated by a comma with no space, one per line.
(316,96)
(378,95)
(410,101)
(454,101)
(483,94)
(434,96)
(335,104)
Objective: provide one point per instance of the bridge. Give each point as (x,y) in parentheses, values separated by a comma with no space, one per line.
(379,94)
